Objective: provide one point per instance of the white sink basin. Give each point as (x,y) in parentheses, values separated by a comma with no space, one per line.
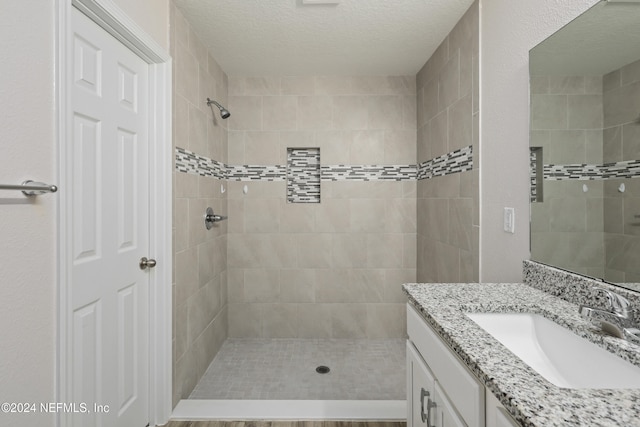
(556,353)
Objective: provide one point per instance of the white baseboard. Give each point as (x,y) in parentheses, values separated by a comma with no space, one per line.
(379,410)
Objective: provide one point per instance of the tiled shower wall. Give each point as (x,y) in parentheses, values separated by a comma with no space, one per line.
(199,288)
(567,121)
(447,114)
(334,268)
(622,142)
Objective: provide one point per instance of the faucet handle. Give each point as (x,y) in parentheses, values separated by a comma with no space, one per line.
(616,303)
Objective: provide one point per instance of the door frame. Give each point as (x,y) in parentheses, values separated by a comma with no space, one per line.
(110,17)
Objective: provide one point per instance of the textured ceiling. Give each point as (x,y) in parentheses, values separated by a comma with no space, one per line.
(603,39)
(354,37)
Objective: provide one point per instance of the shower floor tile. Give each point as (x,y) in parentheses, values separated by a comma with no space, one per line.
(277,369)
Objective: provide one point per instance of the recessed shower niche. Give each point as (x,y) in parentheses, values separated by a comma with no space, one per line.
(303,175)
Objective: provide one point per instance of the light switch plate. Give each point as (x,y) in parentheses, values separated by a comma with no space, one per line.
(509,220)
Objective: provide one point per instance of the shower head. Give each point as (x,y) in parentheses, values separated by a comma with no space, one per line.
(224,113)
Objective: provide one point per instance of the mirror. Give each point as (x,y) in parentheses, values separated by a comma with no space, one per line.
(585,141)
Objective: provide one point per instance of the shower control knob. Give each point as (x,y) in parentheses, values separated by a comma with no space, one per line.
(147,263)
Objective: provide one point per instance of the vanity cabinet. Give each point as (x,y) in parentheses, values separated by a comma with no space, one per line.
(497,415)
(441,391)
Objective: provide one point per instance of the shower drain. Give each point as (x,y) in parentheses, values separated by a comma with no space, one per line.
(322,369)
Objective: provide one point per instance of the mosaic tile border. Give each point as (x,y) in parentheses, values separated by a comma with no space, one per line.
(303,175)
(457,161)
(454,162)
(368,172)
(585,172)
(189,162)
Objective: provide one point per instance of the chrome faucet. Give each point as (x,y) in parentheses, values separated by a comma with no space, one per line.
(617,319)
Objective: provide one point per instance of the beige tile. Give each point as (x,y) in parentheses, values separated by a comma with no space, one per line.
(409,251)
(367,147)
(595,214)
(622,105)
(350,112)
(585,111)
(315,112)
(460,124)
(261,285)
(449,83)
(349,250)
(279,321)
(385,250)
(461,219)
(235,285)
(349,320)
(568,214)
(368,283)
(402,85)
(185,376)
(630,73)
(593,85)
(314,321)
(447,260)
(186,75)
(186,185)
(430,99)
(280,112)
(246,113)
(205,263)
(245,251)
(235,222)
(393,281)
(280,250)
(181,213)
(631,142)
(181,122)
(611,81)
(298,85)
(367,215)
(409,112)
(297,217)
(399,147)
(262,215)
(400,215)
(371,85)
(297,285)
(566,85)
(384,112)
(439,134)
(539,85)
(181,331)
(245,320)
(332,215)
(196,314)
(314,250)
(334,285)
(438,60)
(612,144)
(329,85)
(197,230)
(386,321)
(549,112)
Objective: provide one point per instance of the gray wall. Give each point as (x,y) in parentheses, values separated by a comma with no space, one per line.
(448,224)
(622,142)
(333,269)
(566,121)
(200,265)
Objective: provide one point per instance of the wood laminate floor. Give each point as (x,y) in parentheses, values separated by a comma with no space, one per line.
(285,424)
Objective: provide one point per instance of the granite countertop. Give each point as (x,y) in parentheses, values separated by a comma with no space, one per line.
(531,399)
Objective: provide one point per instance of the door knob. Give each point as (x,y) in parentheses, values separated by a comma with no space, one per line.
(147,263)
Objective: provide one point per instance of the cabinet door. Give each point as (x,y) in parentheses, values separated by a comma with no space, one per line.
(446,415)
(420,389)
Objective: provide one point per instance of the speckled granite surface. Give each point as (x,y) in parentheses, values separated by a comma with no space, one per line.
(531,399)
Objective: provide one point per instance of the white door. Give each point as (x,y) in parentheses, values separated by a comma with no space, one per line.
(109,314)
